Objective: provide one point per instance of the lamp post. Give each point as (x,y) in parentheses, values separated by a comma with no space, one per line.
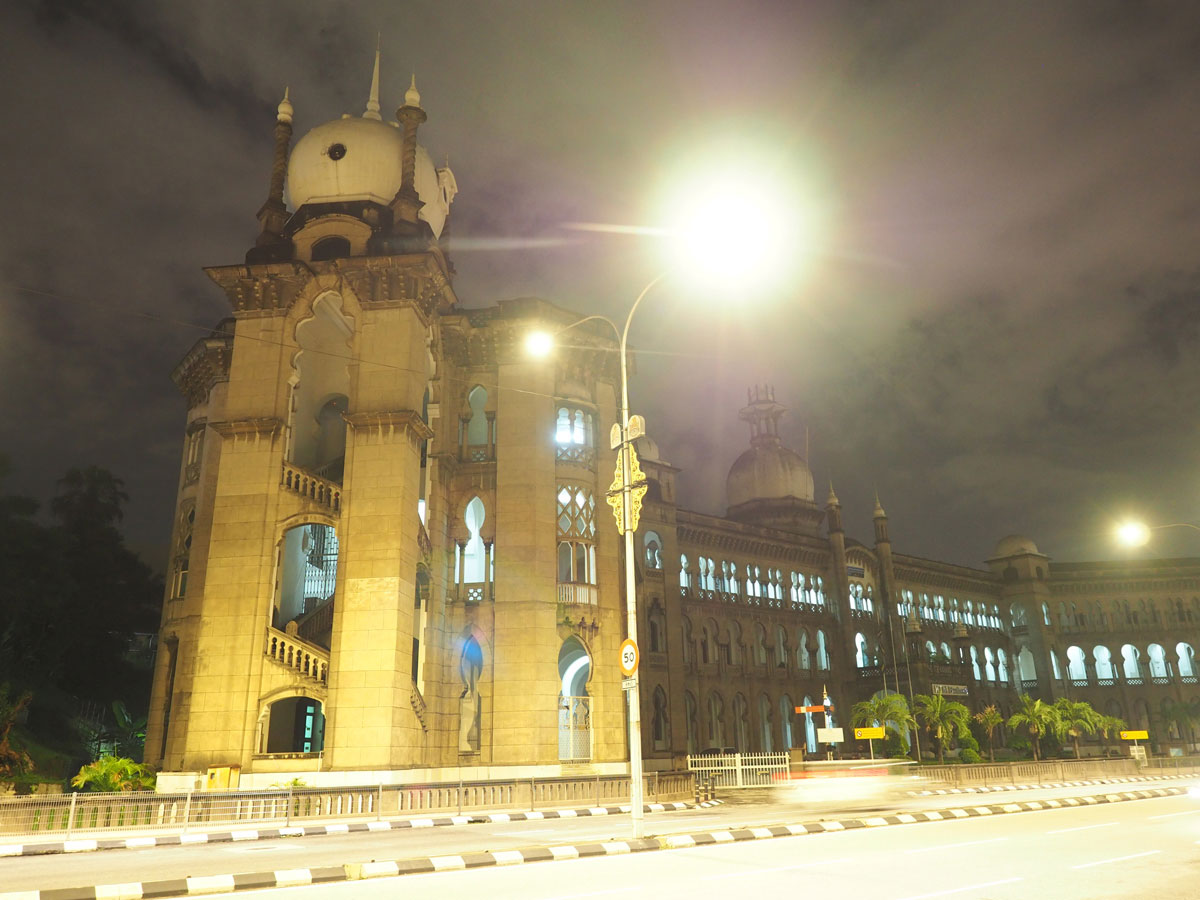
(539,343)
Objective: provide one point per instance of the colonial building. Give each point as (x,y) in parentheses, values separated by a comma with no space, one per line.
(392,549)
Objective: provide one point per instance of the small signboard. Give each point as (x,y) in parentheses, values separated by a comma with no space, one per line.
(1138,753)
(628,684)
(629,657)
(950,690)
(1135,735)
(855,571)
(830,735)
(868,734)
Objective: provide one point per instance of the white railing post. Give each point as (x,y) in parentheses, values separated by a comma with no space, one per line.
(71,815)
(379,804)
(737,764)
(187,811)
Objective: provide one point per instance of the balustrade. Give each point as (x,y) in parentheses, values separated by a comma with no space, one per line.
(576,594)
(299,655)
(307,484)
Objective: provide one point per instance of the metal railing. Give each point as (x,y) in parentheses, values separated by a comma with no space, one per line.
(68,816)
(1029,772)
(740,769)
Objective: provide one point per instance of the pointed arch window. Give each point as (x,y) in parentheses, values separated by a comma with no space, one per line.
(576,522)
(574,435)
(477,428)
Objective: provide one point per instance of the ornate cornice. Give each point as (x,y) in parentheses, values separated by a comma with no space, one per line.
(405,420)
(418,280)
(269,288)
(262,426)
(206,364)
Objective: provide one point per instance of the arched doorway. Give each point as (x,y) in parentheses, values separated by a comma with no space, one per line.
(295,725)
(574,705)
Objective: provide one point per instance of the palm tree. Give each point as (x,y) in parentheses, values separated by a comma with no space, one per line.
(889,710)
(1035,717)
(1109,725)
(1182,714)
(1076,718)
(114,773)
(990,719)
(944,719)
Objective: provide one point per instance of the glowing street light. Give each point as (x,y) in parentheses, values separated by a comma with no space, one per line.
(1133,533)
(707,246)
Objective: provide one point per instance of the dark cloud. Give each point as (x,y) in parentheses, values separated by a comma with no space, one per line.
(999,333)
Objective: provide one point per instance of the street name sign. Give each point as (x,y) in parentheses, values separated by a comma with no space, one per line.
(628,684)
(868,734)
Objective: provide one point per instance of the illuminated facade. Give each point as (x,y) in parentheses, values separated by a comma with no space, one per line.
(392,548)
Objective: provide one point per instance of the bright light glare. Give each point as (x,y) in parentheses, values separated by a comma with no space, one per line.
(539,343)
(1133,534)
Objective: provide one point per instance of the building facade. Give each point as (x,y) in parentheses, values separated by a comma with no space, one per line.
(392,549)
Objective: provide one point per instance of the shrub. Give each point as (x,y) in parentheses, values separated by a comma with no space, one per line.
(113,773)
(968,742)
(968,755)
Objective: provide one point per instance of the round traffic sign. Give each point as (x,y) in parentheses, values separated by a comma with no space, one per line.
(629,657)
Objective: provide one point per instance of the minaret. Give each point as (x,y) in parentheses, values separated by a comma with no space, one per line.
(372,111)
(406,204)
(273,214)
(837,543)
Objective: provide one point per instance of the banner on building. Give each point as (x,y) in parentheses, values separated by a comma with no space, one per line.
(950,690)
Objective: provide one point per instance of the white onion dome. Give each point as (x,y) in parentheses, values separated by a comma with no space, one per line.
(360,159)
(768,471)
(1014,545)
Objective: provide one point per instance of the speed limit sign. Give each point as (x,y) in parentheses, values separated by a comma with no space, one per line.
(629,657)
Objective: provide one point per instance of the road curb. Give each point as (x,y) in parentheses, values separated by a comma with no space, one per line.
(216,884)
(263,834)
(991,789)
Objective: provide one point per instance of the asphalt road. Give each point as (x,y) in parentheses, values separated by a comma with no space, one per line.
(1144,848)
(745,808)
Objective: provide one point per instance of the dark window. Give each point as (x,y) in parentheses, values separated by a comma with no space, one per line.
(330,248)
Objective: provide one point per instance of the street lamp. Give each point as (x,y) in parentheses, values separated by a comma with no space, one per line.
(1133,533)
(539,343)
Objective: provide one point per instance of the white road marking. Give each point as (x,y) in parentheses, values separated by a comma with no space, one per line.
(1082,828)
(959,890)
(1101,862)
(1186,812)
(948,846)
(624,890)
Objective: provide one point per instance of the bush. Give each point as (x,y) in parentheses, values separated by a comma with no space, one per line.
(893,746)
(968,755)
(112,773)
(969,743)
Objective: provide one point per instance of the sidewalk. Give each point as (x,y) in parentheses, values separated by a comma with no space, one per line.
(214,884)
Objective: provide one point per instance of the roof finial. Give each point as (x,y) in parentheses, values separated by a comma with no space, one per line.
(832,499)
(284,112)
(373,100)
(879,513)
(411,97)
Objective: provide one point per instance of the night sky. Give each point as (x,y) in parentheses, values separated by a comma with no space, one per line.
(997,329)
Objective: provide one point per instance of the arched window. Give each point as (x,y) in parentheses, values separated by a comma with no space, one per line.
(1026,668)
(716,721)
(1055,667)
(307,572)
(657,622)
(1002,665)
(803,652)
(576,522)
(741,723)
(1186,658)
(822,652)
(330,248)
(1131,661)
(652,544)
(685,577)
(574,706)
(975,663)
(781,648)
(765,723)
(735,643)
(989,664)
(470,669)
(760,644)
(1076,664)
(689,712)
(661,725)
(687,640)
(294,725)
(810,728)
(787,711)
(574,439)
(1158,661)
(474,553)
(1103,663)
(861,657)
(479,431)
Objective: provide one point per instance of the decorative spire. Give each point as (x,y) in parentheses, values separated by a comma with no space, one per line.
(411,97)
(879,513)
(832,499)
(284,112)
(373,100)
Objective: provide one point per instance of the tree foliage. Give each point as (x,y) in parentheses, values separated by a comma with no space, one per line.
(12,761)
(989,719)
(943,718)
(889,710)
(114,773)
(1036,717)
(1075,718)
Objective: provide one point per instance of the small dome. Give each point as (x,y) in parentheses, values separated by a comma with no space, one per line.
(1015,545)
(360,159)
(768,472)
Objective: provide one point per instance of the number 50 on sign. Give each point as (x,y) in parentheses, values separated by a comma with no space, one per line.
(629,657)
